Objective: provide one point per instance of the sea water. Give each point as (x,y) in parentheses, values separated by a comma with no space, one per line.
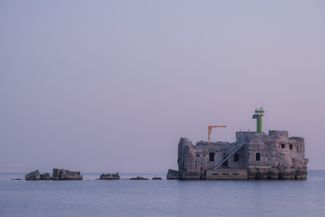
(157,198)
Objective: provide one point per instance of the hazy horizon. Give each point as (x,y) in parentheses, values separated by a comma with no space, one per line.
(112,85)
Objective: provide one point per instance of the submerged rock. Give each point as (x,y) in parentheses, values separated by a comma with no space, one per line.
(35,175)
(109,176)
(139,178)
(156,178)
(61,174)
(172,174)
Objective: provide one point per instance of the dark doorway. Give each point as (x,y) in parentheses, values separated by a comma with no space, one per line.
(236,157)
(203,174)
(258,156)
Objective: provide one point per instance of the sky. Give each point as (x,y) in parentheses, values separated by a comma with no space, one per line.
(105,86)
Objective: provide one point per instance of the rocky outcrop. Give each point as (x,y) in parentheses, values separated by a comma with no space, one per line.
(61,174)
(34,175)
(58,174)
(139,178)
(45,176)
(172,174)
(109,176)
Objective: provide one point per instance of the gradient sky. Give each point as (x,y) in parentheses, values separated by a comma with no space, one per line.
(113,85)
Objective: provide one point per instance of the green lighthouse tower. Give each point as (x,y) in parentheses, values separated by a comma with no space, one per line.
(259,113)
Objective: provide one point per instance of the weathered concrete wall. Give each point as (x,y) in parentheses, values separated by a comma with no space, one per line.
(242,159)
(281,156)
(226,174)
(194,160)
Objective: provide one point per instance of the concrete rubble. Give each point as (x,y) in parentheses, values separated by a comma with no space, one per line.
(61,174)
(109,176)
(58,174)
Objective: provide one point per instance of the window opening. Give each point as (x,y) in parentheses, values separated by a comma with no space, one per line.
(211,156)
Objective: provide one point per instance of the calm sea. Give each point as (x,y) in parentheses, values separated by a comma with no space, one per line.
(126,198)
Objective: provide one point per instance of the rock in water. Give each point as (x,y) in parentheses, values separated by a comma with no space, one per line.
(156,178)
(35,175)
(45,176)
(139,178)
(109,176)
(61,174)
(172,174)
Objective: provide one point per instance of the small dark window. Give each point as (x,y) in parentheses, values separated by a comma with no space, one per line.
(258,156)
(236,157)
(197,155)
(290,146)
(211,156)
(283,145)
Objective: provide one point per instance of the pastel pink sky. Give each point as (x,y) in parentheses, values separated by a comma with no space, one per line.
(113,85)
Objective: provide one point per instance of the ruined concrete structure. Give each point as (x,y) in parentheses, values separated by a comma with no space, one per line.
(109,176)
(254,155)
(61,174)
(58,174)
